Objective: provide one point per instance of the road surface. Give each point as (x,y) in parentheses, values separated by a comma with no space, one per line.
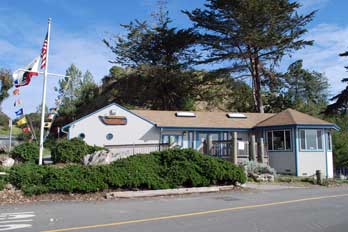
(309,209)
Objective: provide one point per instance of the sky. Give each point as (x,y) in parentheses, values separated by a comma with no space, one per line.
(78,27)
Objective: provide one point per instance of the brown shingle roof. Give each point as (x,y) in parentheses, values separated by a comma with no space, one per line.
(292,117)
(202,119)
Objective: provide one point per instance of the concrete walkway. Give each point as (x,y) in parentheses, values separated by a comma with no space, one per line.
(182,191)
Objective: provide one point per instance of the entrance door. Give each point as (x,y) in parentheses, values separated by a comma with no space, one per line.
(202,140)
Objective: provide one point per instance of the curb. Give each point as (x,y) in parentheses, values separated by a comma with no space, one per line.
(168,192)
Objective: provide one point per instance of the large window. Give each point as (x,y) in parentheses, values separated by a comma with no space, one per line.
(279,140)
(311,140)
(172,139)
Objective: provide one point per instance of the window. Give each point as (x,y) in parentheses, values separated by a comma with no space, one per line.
(279,140)
(236,115)
(185,114)
(311,139)
(82,136)
(172,139)
(109,136)
(329,141)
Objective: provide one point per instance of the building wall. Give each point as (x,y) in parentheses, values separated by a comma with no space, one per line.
(330,171)
(137,130)
(309,162)
(283,162)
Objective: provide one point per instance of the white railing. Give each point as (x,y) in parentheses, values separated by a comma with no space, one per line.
(132,149)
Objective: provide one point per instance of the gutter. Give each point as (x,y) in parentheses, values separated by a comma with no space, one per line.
(65,132)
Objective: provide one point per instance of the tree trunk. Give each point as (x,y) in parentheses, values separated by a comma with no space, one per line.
(256,84)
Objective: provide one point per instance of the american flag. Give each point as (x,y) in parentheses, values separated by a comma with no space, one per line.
(44,52)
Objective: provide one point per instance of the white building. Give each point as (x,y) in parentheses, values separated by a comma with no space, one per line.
(294,143)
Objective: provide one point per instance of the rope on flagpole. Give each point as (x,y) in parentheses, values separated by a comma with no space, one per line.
(49,74)
(58,107)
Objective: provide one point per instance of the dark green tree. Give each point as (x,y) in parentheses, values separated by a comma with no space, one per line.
(77,90)
(340,106)
(6,83)
(158,59)
(253,35)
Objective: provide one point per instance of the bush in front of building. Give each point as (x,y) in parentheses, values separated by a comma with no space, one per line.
(71,151)
(157,170)
(254,167)
(27,152)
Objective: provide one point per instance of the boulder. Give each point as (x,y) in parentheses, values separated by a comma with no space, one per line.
(103,157)
(262,177)
(7,162)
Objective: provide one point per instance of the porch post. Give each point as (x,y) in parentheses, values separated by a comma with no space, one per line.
(253,148)
(235,148)
(209,144)
(262,151)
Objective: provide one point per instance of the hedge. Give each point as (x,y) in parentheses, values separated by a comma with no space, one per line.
(71,151)
(157,170)
(26,152)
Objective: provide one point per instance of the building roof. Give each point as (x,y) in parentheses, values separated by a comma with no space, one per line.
(202,119)
(220,120)
(292,117)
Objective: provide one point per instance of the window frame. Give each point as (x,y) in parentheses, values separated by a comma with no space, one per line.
(305,149)
(286,149)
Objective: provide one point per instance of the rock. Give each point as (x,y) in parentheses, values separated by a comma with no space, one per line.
(262,177)
(103,157)
(8,162)
(9,187)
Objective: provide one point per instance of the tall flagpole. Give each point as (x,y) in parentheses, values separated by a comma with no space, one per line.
(43,104)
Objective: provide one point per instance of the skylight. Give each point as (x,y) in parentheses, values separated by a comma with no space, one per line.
(185,114)
(236,115)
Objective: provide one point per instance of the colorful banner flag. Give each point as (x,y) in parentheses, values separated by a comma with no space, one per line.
(53,110)
(18,102)
(19,112)
(26,130)
(51,116)
(58,102)
(22,77)
(16,92)
(22,121)
(47,125)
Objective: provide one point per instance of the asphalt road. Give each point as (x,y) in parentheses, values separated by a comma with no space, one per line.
(317,209)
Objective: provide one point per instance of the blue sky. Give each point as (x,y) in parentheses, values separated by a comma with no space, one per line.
(78,26)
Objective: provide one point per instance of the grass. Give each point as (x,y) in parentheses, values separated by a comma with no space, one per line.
(6,131)
(294,179)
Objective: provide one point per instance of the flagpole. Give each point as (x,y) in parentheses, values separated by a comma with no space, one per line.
(10,145)
(43,105)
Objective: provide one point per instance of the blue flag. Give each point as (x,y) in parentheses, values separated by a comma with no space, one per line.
(19,112)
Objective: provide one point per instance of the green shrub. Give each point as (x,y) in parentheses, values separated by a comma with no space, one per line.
(71,151)
(27,152)
(50,142)
(254,167)
(2,183)
(157,170)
